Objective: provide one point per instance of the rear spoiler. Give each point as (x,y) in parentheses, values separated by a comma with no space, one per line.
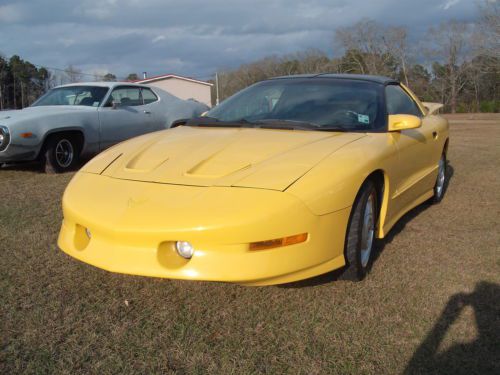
(432,107)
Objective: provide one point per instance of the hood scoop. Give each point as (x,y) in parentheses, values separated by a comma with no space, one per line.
(243,157)
(215,169)
(146,160)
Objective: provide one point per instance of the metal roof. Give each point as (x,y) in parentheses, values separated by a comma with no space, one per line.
(169,76)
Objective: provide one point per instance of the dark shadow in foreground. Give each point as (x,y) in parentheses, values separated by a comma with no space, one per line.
(482,356)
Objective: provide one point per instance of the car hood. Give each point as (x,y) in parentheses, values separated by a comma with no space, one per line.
(239,157)
(30,113)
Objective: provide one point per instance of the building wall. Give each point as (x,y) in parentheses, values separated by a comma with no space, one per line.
(184,89)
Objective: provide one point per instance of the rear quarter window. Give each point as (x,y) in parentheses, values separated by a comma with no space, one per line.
(399,102)
(149,96)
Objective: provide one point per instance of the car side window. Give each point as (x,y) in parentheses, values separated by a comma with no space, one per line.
(399,102)
(126,96)
(148,96)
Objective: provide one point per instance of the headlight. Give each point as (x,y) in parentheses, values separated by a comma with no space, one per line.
(184,249)
(4,137)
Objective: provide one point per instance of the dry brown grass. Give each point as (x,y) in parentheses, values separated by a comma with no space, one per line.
(431,303)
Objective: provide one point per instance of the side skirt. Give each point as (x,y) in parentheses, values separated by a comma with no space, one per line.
(387,226)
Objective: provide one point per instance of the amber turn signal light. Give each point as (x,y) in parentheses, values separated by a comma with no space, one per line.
(279,242)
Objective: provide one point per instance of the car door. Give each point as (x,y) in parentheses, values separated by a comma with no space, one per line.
(414,150)
(124,116)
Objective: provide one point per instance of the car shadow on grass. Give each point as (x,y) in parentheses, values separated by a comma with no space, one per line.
(37,167)
(23,167)
(379,244)
(481,356)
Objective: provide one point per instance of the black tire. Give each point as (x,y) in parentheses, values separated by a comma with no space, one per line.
(356,249)
(60,154)
(440,185)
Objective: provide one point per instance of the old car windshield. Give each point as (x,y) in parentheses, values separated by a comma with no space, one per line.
(324,104)
(91,96)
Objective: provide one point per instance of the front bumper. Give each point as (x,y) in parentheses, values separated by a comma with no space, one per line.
(15,153)
(134,226)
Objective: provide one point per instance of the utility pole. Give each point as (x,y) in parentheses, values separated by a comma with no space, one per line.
(216,88)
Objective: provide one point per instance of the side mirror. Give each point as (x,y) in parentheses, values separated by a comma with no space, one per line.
(402,122)
(115,104)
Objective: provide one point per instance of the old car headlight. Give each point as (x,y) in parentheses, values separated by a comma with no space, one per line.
(4,137)
(184,249)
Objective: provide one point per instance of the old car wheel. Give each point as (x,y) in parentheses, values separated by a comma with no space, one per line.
(60,155)
(360,236)
(440,186)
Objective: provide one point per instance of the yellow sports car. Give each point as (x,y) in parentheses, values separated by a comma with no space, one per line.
(290,178)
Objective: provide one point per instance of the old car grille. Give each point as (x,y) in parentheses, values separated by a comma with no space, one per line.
(4,137)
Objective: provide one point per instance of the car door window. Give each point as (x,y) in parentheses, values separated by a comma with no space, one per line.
(148,96)
(126,96)
(399,102)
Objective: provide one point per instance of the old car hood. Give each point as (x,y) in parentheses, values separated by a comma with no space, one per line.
(241,157)
(30,113)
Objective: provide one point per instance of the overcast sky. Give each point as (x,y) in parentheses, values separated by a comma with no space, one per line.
(194,38)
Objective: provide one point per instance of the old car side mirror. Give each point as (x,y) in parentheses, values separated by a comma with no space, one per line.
(115,104)
(402,122)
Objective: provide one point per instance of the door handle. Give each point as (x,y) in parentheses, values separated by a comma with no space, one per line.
(147,112)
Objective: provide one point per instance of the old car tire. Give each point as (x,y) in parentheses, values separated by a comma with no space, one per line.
(360,237)
(440,186)
(60,154)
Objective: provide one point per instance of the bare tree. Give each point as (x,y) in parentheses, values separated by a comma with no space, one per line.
(488,29)
(449,44)
(73,74)
(396,43)
(372,48)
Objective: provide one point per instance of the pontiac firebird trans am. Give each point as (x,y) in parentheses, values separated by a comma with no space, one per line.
(290,178)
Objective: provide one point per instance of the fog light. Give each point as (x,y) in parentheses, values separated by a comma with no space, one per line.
(184,249)
(87,232)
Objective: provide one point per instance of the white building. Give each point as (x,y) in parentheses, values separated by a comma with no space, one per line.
(182,87)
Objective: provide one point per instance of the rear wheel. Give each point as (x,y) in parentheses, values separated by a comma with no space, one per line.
(60,154)
(439,187)
(360,236)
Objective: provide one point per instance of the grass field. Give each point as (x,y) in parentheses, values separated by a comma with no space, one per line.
(430,305)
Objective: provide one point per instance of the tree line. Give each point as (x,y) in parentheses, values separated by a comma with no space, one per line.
(455,63)
(22,82)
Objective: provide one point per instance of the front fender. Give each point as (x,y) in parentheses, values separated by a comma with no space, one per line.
(45,125)
(334,183)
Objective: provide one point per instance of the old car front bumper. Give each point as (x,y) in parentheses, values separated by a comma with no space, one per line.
(15,153)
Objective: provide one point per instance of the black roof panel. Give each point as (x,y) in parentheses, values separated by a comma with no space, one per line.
(358,77)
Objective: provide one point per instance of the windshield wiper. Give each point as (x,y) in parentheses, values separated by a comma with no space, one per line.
(286,124)
(335,129)
(215,122)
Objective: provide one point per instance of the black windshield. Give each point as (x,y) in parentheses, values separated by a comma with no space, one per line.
(324,104)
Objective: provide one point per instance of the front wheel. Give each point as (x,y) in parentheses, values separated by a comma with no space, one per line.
(439,187)
(60,155)
(360,236)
